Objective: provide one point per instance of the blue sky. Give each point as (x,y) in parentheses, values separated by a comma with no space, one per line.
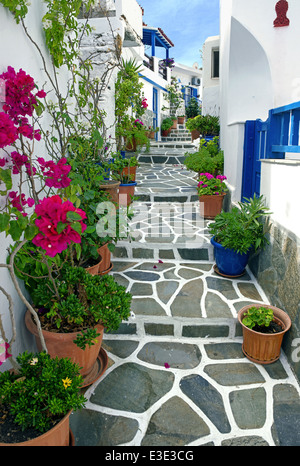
(187,24)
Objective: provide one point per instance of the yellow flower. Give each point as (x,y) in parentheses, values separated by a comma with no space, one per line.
(67,382)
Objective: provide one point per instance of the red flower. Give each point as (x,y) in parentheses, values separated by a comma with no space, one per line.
(56,231)
(56,174)
(8,131)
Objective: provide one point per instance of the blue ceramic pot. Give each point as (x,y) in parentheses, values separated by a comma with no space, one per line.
(229,262)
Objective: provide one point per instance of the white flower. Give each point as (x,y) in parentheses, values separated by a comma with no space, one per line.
(61,19)
(47,23)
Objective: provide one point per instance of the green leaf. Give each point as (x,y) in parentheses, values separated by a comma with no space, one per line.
(14,230)
(5,176)
(30,232)
(4,221)
(76,227)
(73,216)
(90,229)
(60,227)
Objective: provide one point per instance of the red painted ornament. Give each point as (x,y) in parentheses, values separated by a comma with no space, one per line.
(281,9)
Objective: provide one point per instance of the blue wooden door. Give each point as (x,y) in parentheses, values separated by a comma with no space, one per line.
(155,110)
(255,147)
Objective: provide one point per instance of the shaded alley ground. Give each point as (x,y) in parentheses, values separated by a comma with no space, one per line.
(176,373)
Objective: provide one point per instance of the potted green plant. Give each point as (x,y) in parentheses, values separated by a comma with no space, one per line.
(208,158)
(211,191)
(166,126)
(174,125)
(181,119)
(74,307)
(264,327)
(37,400)
(203,125)
(237,233)
(130,166)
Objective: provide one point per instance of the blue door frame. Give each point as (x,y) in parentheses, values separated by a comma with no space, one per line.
(155,110)
(271,139)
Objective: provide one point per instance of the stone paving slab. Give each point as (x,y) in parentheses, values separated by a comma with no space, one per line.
(177,375)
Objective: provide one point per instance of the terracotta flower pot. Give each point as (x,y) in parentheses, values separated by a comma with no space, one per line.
(62,345)
(165,133)
(210,206)
(181,120)
(94,269)
(129,171)
(111,187)
(174,126)
(195,134)
(264,348)
(58,436)
(126,193)
(131,145)
(105,264)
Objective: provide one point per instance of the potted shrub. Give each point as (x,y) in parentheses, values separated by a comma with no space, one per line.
(130,167)
(264,327)
(211,191)
(127,183)
(209,158)
(37,400)
(238,233)
(181,119)
(74,307)
(166,126)
(203,125)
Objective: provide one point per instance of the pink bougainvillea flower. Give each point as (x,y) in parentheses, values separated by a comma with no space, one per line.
(19,99)
(55,173)
(3,161)
(18,161)
(160,261)
(4,355)
(8,131)
(167,366)
(52,212)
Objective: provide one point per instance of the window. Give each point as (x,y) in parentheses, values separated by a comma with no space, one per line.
(215,73)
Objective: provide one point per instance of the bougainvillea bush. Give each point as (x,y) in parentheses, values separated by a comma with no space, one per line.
(33,189)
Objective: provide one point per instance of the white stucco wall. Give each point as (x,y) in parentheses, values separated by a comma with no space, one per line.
(18,52)
(259,70)
(210,85)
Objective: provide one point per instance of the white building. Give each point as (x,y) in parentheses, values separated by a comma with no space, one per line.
(211,76)
(259,72)
(190,78)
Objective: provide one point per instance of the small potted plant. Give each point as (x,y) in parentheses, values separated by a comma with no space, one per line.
(208,158)
(37,400)
(181,119)
(127,184)
(166,126)
(73,308)
(264,327)
(237,233)
(130,167)
(211,191)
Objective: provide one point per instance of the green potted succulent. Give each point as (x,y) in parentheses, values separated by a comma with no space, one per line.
(74,308)
(211,191)
(207,159)
(237,233)
(37,400)
(264,327)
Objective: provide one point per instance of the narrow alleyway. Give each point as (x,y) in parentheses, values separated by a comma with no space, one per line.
(176,372)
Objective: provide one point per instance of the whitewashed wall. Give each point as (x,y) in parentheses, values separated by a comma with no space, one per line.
(259,68)
(18,52)
(210,85)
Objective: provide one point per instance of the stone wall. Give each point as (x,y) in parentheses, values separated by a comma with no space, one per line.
(277,269)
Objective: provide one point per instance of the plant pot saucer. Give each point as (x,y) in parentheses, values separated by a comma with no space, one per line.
(104,272)
(227,276)
(98,369)
(258,361)
(72,439)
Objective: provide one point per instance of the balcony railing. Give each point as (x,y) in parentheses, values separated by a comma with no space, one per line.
(149,62)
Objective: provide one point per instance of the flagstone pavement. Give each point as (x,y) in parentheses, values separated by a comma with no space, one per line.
(176,374)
